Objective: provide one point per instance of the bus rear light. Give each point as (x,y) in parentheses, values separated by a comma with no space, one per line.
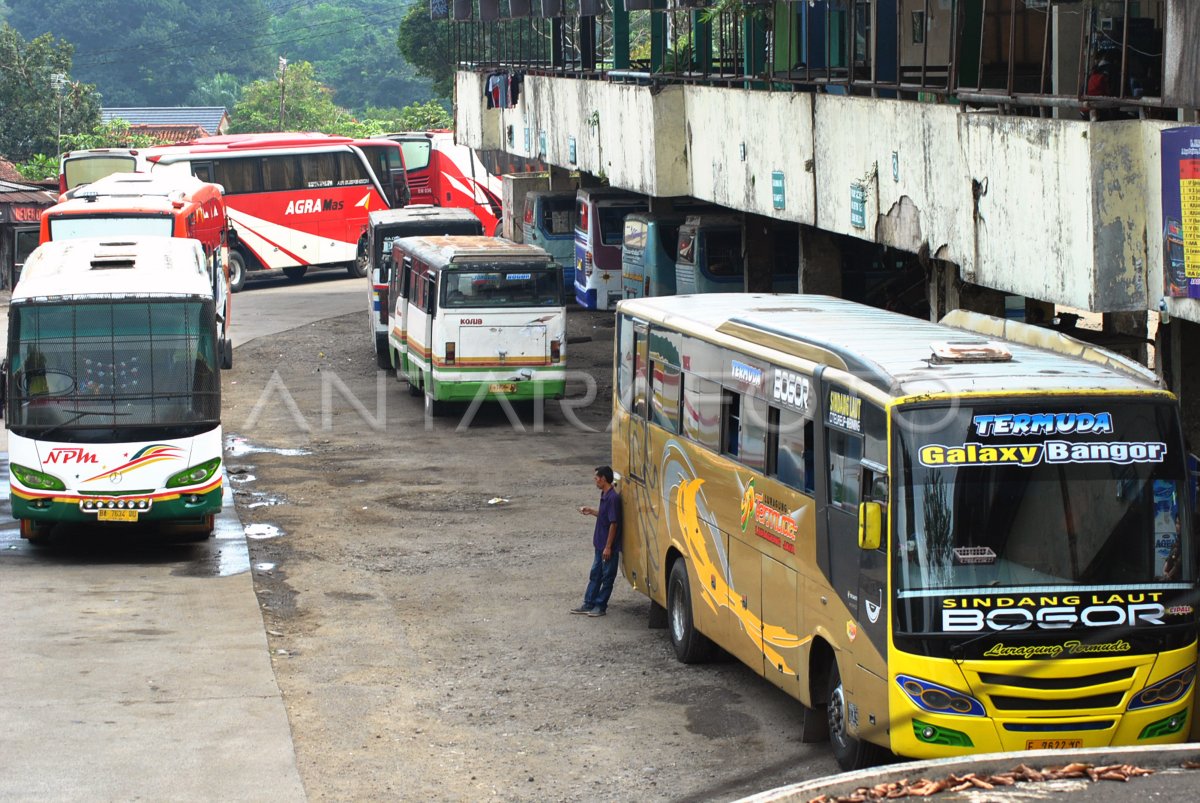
(383,306)
(587,263)
(449,353)
(529,214)
(555,351)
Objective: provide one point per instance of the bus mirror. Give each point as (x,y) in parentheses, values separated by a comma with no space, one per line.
(870,525)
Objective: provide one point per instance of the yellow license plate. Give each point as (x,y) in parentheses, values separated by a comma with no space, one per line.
(1054,744)
(116,515)
(502,387)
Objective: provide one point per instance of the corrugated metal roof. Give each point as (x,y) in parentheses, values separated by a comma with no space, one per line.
(12,193)
(170,133)
(210,118)
(888,350)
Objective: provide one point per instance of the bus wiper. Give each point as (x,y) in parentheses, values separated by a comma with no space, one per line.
(42,435)
(957,650)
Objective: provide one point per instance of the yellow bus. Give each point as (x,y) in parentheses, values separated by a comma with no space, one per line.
(941,539)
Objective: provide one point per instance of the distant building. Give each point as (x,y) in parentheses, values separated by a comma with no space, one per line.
(21,206)
(171,123)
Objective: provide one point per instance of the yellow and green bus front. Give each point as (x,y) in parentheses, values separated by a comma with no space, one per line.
(1042,572)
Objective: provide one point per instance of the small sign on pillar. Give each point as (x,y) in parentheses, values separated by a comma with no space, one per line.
(778,190)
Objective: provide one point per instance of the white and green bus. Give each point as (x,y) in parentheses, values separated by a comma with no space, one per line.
(941,539)
(113,391)
(485,320)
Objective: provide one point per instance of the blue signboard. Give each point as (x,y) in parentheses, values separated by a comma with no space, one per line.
(858,206)
(778,191)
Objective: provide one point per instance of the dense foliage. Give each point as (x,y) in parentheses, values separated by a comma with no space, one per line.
(35,78)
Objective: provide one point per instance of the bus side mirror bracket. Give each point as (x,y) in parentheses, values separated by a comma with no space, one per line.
(870,525)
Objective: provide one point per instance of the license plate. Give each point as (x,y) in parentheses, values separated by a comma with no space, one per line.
(1054,744)
(116,515)
(502,387)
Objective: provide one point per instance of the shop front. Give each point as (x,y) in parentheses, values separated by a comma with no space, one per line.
(20,212)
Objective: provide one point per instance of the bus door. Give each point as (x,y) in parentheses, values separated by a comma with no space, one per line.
(854,454)
(638,489)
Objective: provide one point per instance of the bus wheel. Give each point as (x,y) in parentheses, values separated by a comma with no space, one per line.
(358,268)
(295,272)
(414,389)
(383,355)
(851,753)
(433,407)
(226,353)
(35,532)
(691,646)
(237,271)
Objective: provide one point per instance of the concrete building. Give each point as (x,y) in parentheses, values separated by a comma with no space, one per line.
(999,155)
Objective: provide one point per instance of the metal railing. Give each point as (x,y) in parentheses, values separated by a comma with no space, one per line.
(987,53)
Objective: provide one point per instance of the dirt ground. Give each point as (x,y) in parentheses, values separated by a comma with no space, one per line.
(415,596)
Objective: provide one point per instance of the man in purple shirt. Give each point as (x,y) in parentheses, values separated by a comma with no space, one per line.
(607,542)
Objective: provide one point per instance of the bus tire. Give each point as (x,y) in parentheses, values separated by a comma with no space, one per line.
(691,646)
(295,272)
(433,407)
(851,753)
(237,271)
(358,268)
(35,532)
(226,353)
(413,388)
(383,355)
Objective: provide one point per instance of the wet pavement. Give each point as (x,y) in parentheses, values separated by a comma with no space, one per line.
(136,667)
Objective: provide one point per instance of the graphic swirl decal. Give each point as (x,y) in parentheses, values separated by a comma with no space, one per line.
(147,455)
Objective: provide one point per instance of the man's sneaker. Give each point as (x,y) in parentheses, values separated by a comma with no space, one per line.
(596,612)
(582,609)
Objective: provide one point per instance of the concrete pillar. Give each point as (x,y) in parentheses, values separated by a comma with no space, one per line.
(560,178)
(820,262)
(758,253)
(515,187)
(1178,351)
(1131,326)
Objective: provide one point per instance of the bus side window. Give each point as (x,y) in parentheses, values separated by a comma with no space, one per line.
(405,279)
(731,421)
(702,410)
(203,171)
(752,449)
(666,383)
(845,465)
(625,362)
(791,459)
(640,373)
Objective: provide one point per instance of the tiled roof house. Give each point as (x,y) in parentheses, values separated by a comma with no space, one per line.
(171,123)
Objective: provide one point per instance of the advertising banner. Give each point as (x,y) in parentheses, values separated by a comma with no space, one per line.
(1181,211)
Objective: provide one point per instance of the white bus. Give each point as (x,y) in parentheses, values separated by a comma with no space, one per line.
(485,320)
(113,386)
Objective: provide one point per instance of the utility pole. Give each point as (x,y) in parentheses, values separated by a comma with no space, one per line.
(282,88)
(58,80)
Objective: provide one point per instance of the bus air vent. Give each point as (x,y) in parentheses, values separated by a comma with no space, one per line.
(949,351)
(113,263)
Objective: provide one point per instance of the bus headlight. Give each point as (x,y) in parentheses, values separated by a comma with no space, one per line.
(939,699)
(1165,691)
(196,474)
(36,479)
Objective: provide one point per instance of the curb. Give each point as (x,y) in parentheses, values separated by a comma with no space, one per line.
(1150,756)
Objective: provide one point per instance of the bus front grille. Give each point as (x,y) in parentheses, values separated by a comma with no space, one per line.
(1005,703)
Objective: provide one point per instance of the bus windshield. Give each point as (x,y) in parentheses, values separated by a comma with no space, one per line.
(518,286)
(67,227)
(1026,493)
(84,370)
(86,169)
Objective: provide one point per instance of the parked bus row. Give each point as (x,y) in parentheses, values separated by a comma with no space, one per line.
(463,317)
(612,247)
(301,200)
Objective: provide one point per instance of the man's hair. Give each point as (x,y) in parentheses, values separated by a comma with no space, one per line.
(605,472)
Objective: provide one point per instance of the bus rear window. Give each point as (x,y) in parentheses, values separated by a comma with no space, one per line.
(612,219)
(69,227)
(520,286)
(85,170)
(416,153)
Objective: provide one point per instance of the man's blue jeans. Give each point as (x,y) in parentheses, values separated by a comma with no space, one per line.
(600,581)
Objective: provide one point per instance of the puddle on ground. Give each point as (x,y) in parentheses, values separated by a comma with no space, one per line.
(264,567)
(242,478)
(239,447)
(259,532)
(255,499)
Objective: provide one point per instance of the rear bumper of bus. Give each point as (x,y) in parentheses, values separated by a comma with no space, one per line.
(493,389)
(171,506)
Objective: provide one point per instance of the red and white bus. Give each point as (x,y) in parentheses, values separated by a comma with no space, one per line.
(443,173)
(135,204)
(294,202)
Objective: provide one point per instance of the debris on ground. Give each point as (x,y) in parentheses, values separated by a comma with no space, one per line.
(925,787)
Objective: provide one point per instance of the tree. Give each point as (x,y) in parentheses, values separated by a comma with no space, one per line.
(307,105)
(222,89)
(30,95)
(413,117)
(150,52)
(351,48)
(423,42)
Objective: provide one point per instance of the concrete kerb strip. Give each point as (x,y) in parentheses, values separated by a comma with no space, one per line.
(1150,756)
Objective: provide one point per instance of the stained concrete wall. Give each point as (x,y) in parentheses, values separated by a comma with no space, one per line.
(1060,210)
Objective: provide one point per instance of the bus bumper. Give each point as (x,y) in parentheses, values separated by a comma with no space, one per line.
(513,391)
(585,298)
(173,506)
